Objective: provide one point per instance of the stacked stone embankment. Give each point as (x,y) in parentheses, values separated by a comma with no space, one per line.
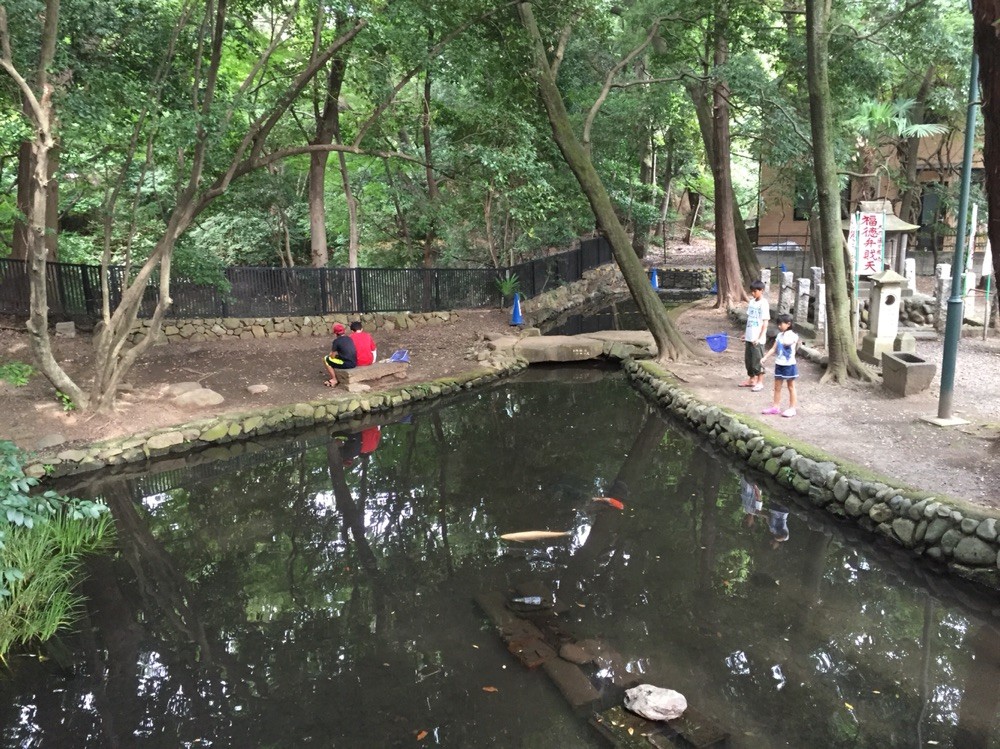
(944,530)
(219,328)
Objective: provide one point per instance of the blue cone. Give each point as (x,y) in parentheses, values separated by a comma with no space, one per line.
(654,279)
(515,312)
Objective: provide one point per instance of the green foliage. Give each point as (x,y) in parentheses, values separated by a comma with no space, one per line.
(41,539)
(509,285)
(16,373)
(65,401)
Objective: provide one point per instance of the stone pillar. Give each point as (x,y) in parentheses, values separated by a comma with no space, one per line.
(821,328)
(802,303)
(765,278)
(786,294)
(969,295)
(910,272)
(816,276)
(942,289)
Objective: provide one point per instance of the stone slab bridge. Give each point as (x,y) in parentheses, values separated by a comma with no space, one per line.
(538,349)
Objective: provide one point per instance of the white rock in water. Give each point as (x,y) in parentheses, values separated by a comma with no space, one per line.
(655,703)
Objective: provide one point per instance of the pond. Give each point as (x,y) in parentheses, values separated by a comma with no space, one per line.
(321,590)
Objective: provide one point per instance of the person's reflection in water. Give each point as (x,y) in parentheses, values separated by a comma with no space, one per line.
(751,499)
(350,447)
(777,524)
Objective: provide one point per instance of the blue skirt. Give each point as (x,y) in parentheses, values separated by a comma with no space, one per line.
(786,371)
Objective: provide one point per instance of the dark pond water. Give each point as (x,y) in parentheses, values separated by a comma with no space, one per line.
(320,592)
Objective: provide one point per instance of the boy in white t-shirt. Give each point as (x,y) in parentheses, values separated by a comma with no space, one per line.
(758,315)
(785,368)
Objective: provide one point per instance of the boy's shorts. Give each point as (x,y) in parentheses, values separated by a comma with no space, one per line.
(336,363)
(752,355)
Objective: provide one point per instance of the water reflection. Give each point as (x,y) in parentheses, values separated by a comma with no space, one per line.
(321,590)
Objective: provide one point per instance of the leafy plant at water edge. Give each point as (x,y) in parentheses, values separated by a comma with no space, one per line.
(42,537)
(16,373)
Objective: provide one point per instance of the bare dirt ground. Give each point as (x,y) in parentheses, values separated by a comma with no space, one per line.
(855,422)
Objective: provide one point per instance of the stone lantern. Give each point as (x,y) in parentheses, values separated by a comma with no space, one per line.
(884,303)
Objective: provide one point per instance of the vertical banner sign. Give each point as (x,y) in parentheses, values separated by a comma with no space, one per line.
(871,240)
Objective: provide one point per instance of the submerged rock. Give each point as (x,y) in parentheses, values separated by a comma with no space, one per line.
(655,703)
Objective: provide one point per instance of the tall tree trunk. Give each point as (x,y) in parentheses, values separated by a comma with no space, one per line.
(749,266)
(909,202)
(987,44)
(430,238)
(327,116)
(842,351)
(37,97)
(669,342)
(727,264)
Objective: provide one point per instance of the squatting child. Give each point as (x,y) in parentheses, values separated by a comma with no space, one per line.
(758,315)
(785,368)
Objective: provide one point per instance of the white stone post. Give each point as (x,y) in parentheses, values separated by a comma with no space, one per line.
(786,294)
(969,285)
(765,278)
(821,328)
(942,288)
(910,271)
(802,303)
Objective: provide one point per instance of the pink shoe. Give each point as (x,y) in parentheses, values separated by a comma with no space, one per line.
(772,411)
(789,413)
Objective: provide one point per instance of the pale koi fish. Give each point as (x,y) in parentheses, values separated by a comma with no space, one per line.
(534,535)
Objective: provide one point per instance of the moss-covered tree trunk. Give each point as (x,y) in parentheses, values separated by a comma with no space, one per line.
(669,342)
(843,353)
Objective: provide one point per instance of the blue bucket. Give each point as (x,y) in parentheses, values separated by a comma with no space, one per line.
(718,342)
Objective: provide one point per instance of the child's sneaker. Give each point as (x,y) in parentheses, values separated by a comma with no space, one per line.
(756,388)
(772,411)
(789,413)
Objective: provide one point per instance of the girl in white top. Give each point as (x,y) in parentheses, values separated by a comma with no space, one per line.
(785,368)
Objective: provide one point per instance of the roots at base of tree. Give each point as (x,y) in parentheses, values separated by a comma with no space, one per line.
(852,371)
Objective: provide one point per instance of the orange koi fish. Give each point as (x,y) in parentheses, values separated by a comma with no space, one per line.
(610,501)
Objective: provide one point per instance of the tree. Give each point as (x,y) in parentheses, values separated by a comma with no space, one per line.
(670,344)
(197,150)
(842,349)
(987,43)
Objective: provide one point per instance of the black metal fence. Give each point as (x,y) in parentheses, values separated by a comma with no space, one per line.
(75,290)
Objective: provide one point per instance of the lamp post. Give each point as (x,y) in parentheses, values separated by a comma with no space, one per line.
(953,326)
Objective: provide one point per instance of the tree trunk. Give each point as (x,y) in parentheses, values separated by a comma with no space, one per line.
(727,264)
(842,351)
(987,44)
(909,202)
(319,254)
(430,249)
(327,130)
(749,266)
(669,342)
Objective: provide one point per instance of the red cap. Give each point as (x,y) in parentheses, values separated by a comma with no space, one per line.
(338,328)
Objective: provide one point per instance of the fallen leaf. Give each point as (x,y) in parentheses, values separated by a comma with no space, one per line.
(422,735)
(490,689)
(631,731)
(582,605)
(476,647)
(848,705)
(875,691)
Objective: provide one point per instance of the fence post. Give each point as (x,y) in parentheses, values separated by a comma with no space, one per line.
(324,290)
(359,295)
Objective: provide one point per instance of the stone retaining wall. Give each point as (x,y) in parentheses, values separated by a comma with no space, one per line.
(961,537)
(606,282)
(210,329)
(229,427)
